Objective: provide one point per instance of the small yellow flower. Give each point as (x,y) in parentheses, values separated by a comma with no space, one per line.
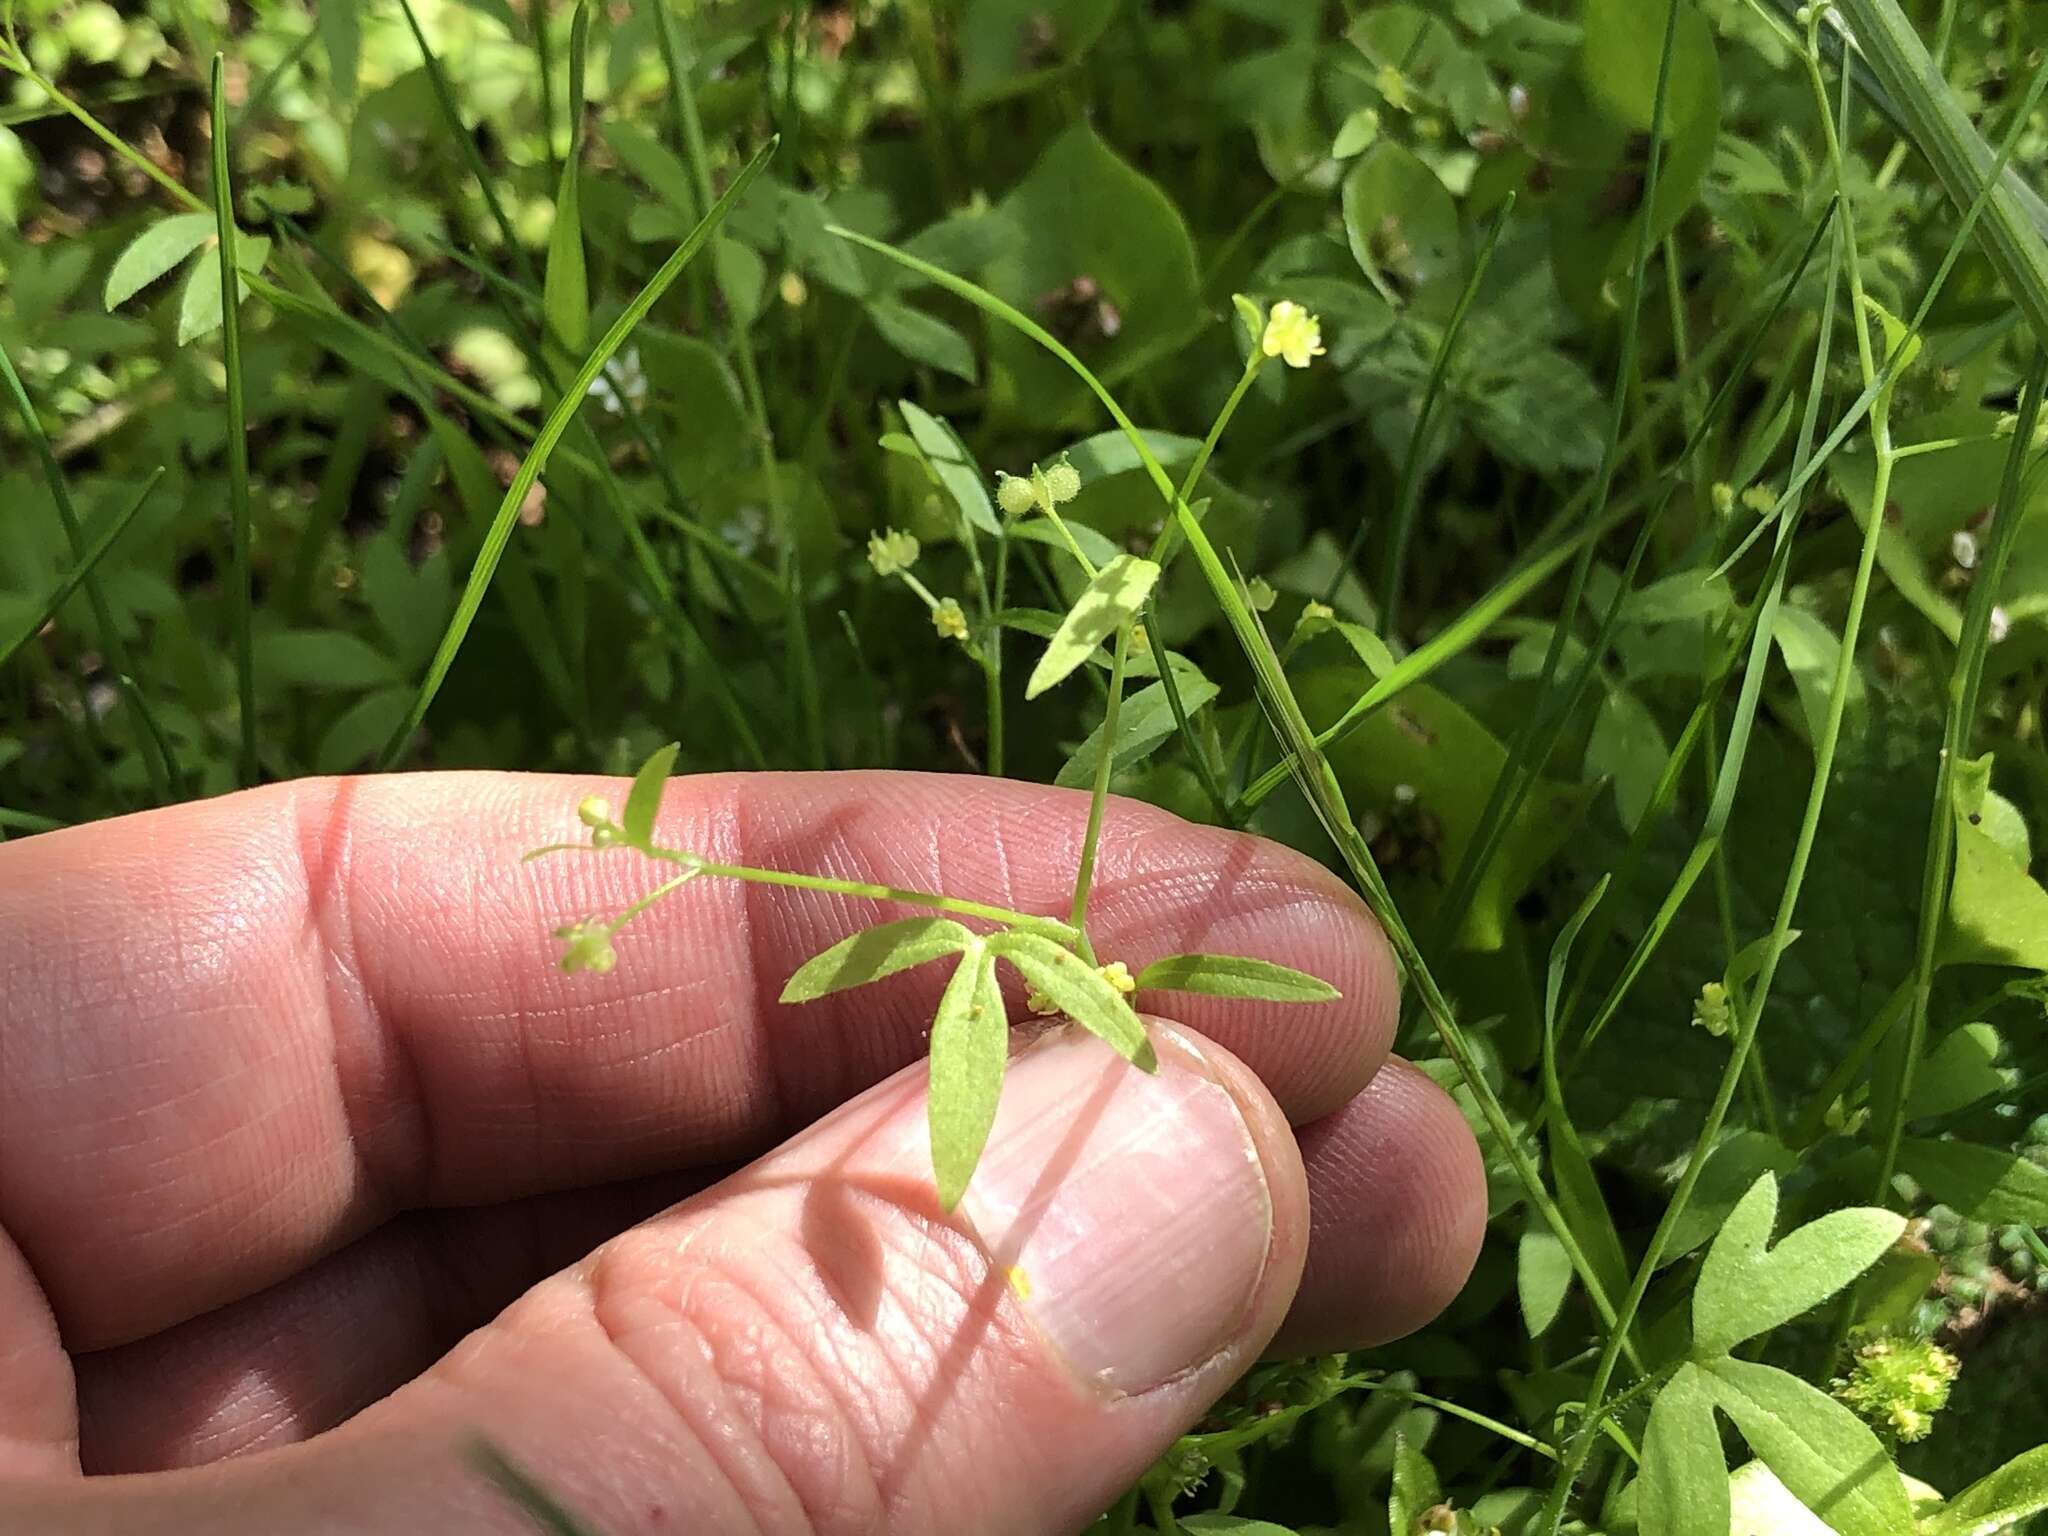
(1040,1004)
(1393,86)
(1141,643)
(892,551)
(1293,334)
(587,946)
(1724,497)
(1759,499)
(948,620)
(1118,975)
(1712,1010)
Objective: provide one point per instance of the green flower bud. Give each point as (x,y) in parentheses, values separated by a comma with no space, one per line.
(593,812)
(1899,1384)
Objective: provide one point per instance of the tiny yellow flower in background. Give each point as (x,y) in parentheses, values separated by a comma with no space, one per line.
(1118,975)
(892,551)
(1759,499)
(1724,497)
(1015,495)
(1064,481)
(1141,642)
(1292,334)
(948,620)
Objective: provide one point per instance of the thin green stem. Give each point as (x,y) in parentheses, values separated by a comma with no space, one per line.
(241,578)
(1084,878)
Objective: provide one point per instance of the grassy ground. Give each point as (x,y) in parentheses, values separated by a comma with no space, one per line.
(1649,581)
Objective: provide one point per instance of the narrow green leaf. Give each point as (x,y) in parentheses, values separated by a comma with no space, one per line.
(328,659)
(1996,1501)
(154,252)
(954,465)
(1543,1278)
(1235,976)
(1745,1290)
(970,1049)
(1079,991)
(506,520)
(643,800)
(1143,725)
(341,34)
(228,262)
(923,338)
(1111,600)
(1984,1183)
(1820,1450)
(1415,1488)
(565,287)
(1683,1489)
(875,952)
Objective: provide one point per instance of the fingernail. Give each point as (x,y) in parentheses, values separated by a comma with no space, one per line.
(1129,1210)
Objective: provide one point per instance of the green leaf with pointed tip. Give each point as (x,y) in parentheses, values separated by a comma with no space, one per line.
(1984,1183)
(1896,336)
(1996,1501)
(1110,601)
(923,338)
(875,952)
(1958,1072)
(565,286)
(1997,911)
(643,800)
(1745,1290)
(154,252)
(1819,1449)
(1079,991)
(341,35)
(1143,726)
(1684,1485)
(199,309)
(1251,317)
(970,1049)
(1543,1277)
(1235,976)
(954,465)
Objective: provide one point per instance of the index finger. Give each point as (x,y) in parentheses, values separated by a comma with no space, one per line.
(238,1033)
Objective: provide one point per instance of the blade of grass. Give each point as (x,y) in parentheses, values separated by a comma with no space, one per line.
(1305,759)
(500,533)
(1965,682)
(1407,499)
(241,577)
(79,572)
(1530,749)
(163,773)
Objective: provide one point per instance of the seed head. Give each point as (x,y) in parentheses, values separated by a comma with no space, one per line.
(892,551)
(1063,481)
(1292,334)
(1015,494)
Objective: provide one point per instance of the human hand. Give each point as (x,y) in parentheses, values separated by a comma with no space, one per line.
(313,1169)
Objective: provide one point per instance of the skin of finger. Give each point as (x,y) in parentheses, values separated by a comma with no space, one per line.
(1398,1203)
(811,1346)
(1396,1191)
(333,1000)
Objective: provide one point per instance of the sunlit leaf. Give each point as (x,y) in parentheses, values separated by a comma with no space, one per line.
(875,952)
(1079,991)
(643,801)
(1113,599)
(1683,1490)
(970,1048)
(1819,1449)
(154,252)
(1235,976)
(1986,1184)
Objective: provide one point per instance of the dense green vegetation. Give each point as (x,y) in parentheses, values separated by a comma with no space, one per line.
(1658,544)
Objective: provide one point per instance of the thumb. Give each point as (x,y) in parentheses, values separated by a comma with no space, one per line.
(814,1346)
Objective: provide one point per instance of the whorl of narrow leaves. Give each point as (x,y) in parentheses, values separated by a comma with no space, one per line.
(1079,991)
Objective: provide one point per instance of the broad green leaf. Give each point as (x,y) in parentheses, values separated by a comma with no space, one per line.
(1143,725)
(1683,1489)
(1619,53)
(1110,601)
(1997,912)
(1415,1487)
(1627,745)
(1097,547)
(1400,219)
(1008,47)
(955,467)
(1543,1277)
(1812,652)
(653,162)
(875,952)
(360,730)
(1212,1523)
(1984,1183)
(1079,991)
(643,800)
(154,252)
(199,308)
(1731,1170)
(324,658)
(1760,1505)
(1819,1449)
(970,1047)
(1745,1290)
(742,279)
(1958,1072)
(1235,976)
(1084,212)
(1113,453)
(923,338)
(1996,1501)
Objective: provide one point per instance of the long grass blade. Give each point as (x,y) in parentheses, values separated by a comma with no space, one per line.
(79,572)
(241,577)
(550,434)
